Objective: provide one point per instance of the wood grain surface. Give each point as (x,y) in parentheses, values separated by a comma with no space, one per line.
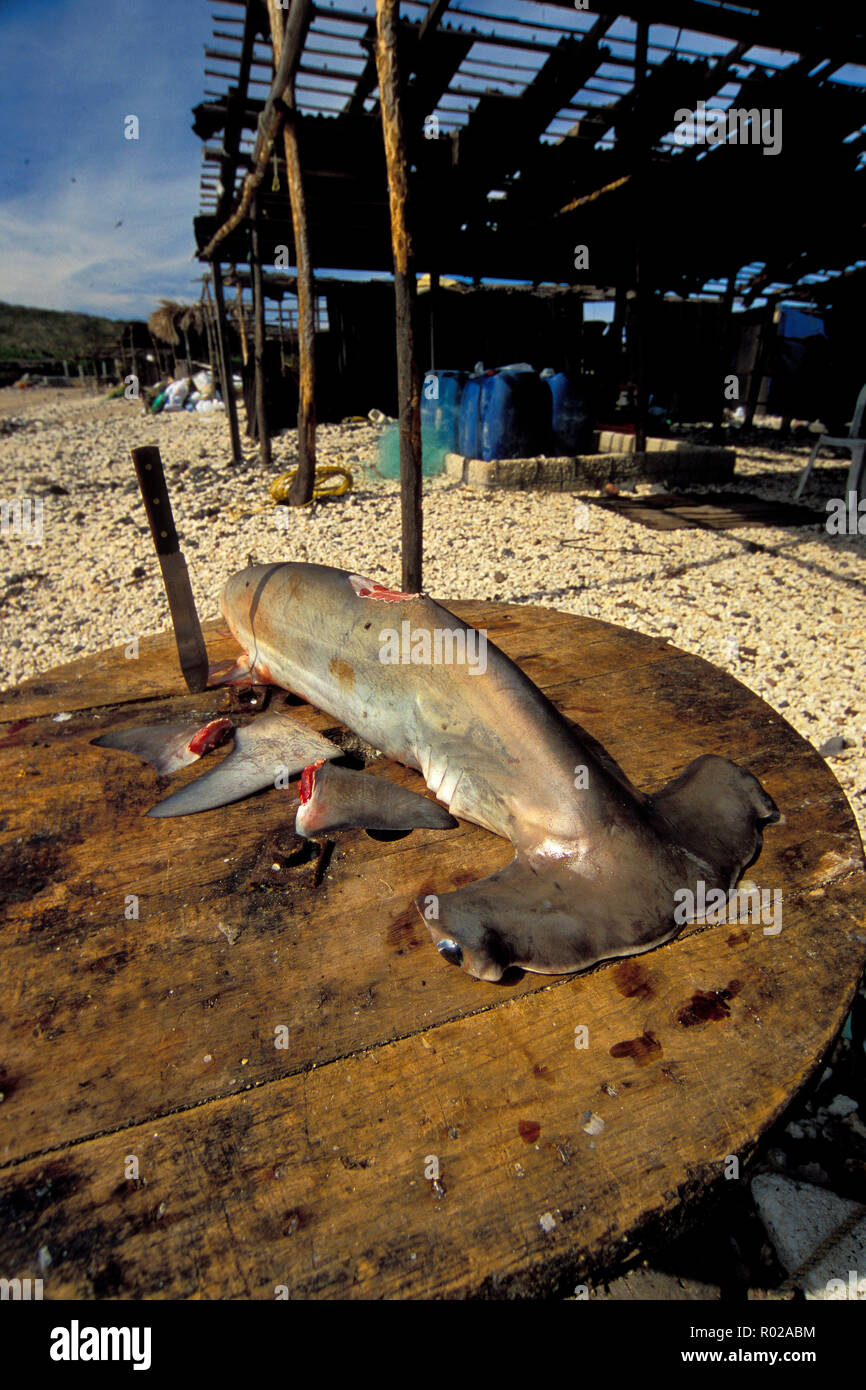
(279,1048)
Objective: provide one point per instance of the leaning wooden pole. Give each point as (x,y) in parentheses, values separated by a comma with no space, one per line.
(301,490)
(408,375)
(262,429)
(229,401)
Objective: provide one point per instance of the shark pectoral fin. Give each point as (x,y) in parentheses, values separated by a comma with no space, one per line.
(168,747)
(271,748)
(336,798)
(541,914)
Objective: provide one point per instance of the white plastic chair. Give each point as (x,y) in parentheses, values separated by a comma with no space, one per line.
(854,441)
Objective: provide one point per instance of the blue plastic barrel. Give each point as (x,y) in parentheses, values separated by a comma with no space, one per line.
(441,394)
(469,433)
(515,415)
(571,420)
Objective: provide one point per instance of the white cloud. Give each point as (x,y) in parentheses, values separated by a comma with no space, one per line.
(63,250)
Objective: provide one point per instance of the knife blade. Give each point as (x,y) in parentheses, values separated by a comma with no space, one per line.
(191,648)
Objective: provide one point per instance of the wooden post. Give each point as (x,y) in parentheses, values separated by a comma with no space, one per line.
(242,325)
(259,338)
(282,340)
(642,157)
(229,401)
(761,354)
(434,305)
(640,333)
(408,375)
(717,435)
(301,490)
(213,361)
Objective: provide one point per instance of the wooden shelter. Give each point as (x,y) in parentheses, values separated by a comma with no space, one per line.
(525,148)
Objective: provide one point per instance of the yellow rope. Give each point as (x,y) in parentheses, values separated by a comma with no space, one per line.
(281,486)
(279,491)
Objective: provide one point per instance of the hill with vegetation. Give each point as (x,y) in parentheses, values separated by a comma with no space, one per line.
(48,334)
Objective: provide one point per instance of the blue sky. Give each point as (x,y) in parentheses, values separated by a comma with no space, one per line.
(70,71)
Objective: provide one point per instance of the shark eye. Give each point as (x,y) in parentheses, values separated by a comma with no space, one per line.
(450,950)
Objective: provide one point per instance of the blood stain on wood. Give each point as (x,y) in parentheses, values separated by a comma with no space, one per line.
(403,934)
(543,1073)
(642,1050)
(708,1006)
(528,1130)
(632,981)
(737,938)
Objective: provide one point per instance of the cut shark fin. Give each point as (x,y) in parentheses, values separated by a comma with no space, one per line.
(168,747)
(336,798)
(272,745)
(560,913)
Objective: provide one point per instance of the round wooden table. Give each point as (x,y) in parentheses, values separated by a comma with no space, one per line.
(227,1073)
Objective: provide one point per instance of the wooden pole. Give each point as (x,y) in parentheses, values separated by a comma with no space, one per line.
(761,354)
(242,326)
(642,156)
(724,348)
(259,339)
(408,375)
(301,490)
(229,401)
(208,328)
(434,307)
(270,118)
(282,340)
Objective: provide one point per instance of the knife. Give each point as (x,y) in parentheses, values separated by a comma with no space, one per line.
(187,628)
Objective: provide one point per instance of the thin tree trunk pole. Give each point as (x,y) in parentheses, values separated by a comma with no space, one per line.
(259,340)
(717,435)
(408,375)
(229,401)
(301,490)
(242,327)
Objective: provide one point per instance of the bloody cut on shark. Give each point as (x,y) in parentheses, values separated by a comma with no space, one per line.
(598,864)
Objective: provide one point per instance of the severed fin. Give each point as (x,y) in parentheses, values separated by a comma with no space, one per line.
(168,747)
(335,798)
(272,746)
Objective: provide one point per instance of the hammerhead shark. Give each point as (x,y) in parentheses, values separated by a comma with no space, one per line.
(599,866)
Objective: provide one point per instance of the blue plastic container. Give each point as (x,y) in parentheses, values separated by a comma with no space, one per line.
(469,433)
(571,421)
(515,415)
(441,395)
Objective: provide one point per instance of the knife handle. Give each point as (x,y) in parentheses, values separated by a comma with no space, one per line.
(154,493)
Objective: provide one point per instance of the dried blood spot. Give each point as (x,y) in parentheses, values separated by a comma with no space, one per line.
(642,1050)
